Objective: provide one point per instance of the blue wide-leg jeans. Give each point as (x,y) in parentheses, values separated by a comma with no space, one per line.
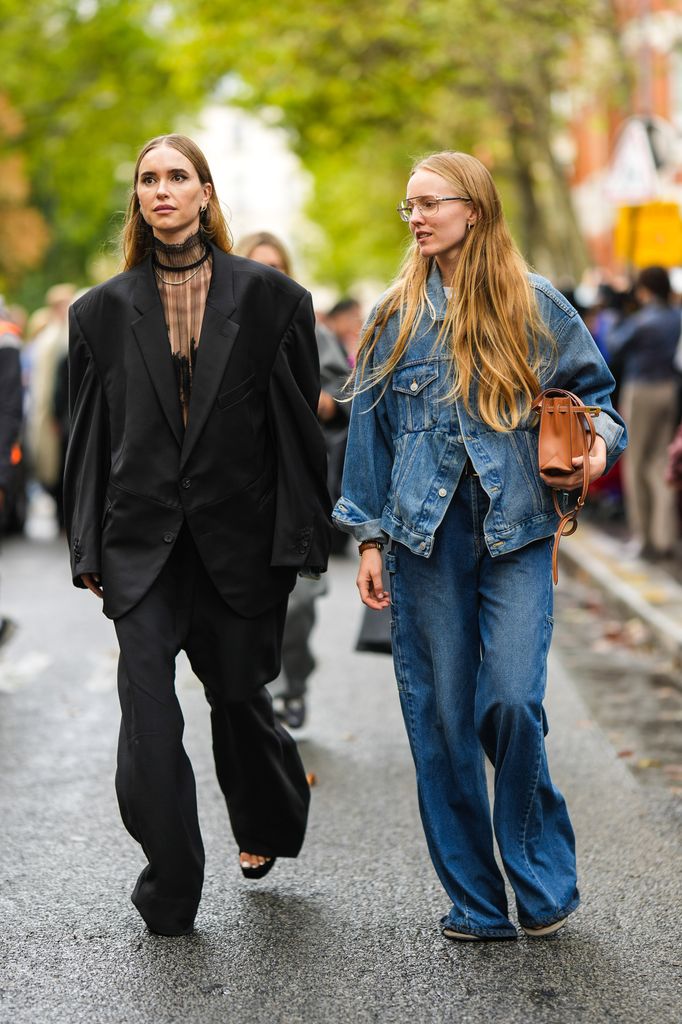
(471,635)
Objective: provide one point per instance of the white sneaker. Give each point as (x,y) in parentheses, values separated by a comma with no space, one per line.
(548,929)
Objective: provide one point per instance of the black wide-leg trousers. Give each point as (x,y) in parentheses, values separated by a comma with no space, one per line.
(257,763)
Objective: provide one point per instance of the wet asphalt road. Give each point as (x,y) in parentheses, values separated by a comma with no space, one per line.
(347,933)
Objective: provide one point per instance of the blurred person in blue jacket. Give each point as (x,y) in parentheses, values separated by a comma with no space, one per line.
(644,345)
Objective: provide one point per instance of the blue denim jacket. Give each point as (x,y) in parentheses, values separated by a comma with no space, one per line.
(406,449)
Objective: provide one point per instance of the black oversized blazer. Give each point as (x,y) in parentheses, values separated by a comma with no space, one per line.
(247,475)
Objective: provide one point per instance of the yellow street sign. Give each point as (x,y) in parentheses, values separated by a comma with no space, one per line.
(649,234)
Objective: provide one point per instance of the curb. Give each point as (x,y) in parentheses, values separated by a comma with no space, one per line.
(630,584)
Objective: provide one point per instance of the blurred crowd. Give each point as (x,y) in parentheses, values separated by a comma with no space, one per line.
(637,327)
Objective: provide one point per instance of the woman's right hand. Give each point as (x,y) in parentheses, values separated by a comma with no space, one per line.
(93,583)
(369,580)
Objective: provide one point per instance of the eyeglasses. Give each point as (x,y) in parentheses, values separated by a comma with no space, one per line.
(427,205)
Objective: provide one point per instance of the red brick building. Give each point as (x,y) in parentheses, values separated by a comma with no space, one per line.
(624,145)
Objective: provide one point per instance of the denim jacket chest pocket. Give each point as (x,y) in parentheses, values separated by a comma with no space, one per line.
(417,391)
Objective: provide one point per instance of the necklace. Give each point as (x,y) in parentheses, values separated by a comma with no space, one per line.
(188,266)
(184,281)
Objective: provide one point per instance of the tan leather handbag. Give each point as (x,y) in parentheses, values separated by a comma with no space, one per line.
(566,431)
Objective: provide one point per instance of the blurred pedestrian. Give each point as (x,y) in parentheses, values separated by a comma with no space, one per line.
(345,320)
(298,661)
(442,466)
(46,441)
(195,492)
(645,344)
(11,400)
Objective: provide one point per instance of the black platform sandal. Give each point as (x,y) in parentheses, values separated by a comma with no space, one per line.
(259,872)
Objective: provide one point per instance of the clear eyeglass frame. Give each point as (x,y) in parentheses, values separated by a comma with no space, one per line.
(428,206)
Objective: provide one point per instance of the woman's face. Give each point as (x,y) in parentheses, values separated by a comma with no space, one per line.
(440,234)
(170,194)
(268,255)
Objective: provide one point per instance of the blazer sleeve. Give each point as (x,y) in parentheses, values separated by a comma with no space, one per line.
(303,528)
(87,458)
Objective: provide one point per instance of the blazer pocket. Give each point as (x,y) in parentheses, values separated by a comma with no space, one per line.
(236,394)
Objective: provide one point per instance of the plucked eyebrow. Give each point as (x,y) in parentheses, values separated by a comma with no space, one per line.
(175,170)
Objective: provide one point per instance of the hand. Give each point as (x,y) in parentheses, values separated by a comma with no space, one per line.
(94,583)
(326,407)
(574,481)
(369,580)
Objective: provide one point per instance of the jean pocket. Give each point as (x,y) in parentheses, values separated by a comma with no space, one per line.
(390,561)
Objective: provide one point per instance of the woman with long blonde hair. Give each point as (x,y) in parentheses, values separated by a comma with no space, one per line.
(441,467)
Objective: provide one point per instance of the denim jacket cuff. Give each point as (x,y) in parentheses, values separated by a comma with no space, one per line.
(608,429)
(349,518)
(612,433)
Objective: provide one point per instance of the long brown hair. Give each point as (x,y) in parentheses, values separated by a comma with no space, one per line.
(137,234)
(492,328)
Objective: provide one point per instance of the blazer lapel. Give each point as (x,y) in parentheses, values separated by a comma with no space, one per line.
(216,341)
(151,334)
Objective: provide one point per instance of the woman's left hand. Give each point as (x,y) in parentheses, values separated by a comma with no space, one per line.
(574,481)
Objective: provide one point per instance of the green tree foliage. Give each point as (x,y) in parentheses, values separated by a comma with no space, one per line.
(364,87)
(24,235)
(89,81)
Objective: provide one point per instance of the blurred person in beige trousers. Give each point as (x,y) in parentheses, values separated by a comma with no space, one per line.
(645,345)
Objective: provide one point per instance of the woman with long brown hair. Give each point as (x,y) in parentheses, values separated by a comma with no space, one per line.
(195,491)
(441,467)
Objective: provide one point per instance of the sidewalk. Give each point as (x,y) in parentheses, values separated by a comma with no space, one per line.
(643,589)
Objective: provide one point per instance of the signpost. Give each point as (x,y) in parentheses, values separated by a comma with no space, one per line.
(648,229)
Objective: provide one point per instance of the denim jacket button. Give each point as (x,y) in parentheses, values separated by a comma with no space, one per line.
(413,386)
(422,546)
(442,493)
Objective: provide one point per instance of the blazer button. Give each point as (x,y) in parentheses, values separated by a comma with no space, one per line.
(169,538)
(186,482)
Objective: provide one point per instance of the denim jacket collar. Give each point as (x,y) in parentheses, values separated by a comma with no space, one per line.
(435,293)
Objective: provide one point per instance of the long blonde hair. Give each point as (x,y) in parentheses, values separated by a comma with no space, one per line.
(492,328)
(137,234)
